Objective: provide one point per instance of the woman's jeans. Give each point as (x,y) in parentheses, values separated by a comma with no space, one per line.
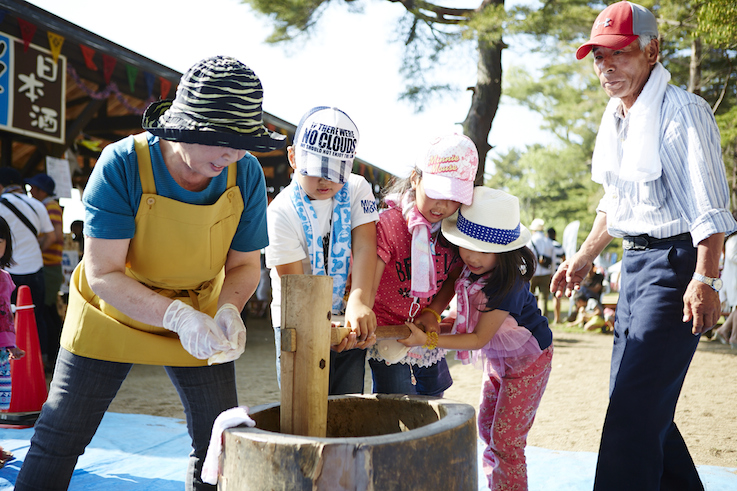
(82,390)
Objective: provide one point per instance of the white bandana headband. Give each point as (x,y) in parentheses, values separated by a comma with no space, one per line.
(641,150)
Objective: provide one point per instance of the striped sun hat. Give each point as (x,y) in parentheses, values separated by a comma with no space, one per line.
(218,102)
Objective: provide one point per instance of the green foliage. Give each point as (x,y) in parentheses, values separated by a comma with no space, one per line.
(488,25)
(290,17)
(708,26)
(564,20)
(569,98)
(567,95)
(552,182)
(727,122)
(717,23)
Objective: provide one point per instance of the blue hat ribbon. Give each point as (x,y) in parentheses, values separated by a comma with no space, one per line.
(501,236)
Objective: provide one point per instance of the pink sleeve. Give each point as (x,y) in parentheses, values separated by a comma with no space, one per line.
(384,232)
(7,339)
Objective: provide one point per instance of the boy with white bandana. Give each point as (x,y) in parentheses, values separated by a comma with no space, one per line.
(324,222)
(658,157)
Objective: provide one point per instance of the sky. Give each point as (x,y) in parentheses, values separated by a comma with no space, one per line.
(349,63)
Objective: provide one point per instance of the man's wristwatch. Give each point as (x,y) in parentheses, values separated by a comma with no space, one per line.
(715,283)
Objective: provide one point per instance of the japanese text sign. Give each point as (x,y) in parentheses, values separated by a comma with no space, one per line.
(32,90)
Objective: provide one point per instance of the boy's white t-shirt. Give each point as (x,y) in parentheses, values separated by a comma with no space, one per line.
(287,242)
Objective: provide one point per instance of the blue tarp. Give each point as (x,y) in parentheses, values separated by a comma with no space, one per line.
(134,452)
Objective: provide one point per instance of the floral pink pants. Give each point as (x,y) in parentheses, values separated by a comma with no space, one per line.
(506,412)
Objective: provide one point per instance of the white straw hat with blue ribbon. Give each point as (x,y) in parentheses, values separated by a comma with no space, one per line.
(490,224)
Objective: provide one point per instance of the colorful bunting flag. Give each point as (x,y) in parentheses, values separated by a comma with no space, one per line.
(165,87)
(55,43)
(27,30)
(88,54)
(132,73)
(108,65)
(150,79)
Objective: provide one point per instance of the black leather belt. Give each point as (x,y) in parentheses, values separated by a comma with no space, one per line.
(642,242)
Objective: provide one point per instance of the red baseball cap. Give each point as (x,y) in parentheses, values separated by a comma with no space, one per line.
(618,25)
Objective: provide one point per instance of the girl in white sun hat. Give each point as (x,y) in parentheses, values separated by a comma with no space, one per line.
(499,325)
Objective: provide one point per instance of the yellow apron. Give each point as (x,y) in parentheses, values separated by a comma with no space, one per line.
(179,251)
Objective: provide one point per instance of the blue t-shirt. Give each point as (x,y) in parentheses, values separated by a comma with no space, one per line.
(114,191)
(522,305)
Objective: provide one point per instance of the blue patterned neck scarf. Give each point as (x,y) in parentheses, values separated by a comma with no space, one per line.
(340,239)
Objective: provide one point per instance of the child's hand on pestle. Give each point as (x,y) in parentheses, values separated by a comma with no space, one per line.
(417,336)
(428,320)
(362,320)
(348,342)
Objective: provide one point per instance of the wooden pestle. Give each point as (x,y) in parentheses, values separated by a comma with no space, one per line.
(401,331)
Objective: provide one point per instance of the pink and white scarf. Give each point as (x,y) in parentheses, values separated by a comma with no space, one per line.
(424,277)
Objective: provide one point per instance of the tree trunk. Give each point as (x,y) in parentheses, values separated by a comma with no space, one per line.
(485,101)
(694,68)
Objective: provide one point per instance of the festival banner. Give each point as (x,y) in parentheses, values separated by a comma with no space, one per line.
(32,90)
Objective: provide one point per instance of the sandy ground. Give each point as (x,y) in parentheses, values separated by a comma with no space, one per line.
(572,409)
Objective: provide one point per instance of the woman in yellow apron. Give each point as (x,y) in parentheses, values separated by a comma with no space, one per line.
(172,254)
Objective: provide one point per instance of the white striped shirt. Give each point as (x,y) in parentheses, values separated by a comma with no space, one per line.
(691,195)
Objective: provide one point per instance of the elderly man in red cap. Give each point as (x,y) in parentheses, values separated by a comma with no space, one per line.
(658,157)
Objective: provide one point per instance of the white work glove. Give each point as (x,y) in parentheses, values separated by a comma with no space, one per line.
(229,319)
(197,331)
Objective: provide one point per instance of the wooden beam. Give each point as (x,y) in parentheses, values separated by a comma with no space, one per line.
(83,120)
(114,123)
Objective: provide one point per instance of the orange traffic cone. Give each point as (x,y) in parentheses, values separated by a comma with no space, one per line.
(27,374)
